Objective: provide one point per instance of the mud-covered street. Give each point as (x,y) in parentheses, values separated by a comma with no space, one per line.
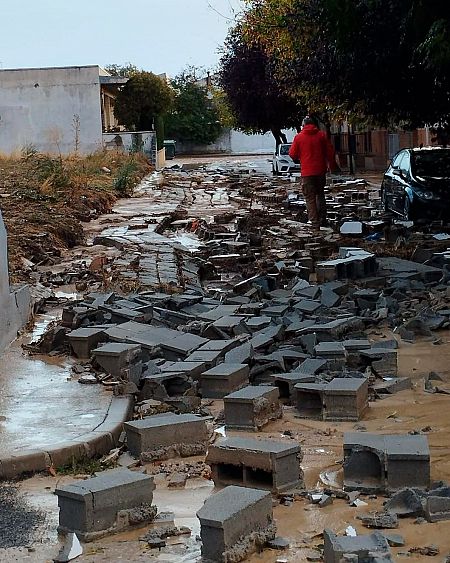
(219,251)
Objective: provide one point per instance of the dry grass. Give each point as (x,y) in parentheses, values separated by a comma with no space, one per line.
(45,198)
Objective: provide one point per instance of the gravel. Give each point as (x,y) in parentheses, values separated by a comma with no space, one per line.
(18,522)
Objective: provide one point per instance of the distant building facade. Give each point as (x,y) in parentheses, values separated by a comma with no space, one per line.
(64,110)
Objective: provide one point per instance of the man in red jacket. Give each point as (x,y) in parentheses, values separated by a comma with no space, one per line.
(316,155)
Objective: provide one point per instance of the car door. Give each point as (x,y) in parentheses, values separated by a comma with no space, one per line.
(401,182)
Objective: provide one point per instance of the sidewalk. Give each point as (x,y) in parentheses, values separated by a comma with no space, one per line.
(46,417)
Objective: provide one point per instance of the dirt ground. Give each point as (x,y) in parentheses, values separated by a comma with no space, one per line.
(301,523)
(44,201)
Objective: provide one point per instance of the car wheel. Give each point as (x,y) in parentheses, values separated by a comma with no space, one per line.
(275,171)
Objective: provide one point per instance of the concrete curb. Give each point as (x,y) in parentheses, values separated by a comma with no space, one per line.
(97,442)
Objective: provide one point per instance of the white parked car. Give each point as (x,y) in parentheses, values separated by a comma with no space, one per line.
(282,163)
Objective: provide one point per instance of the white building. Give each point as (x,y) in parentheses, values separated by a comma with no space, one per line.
(61,110)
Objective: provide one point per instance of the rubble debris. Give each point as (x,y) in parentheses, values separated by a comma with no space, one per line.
(103,505)
(71,549)
(263,464)
(155,538)
(278,543)
(428,551)
(371,548)
(236,522)
(384,519)
(377,463)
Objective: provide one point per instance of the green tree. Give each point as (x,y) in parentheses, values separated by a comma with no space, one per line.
(384,61)
(125,70)
(144,97)
(195,117)
(256,98)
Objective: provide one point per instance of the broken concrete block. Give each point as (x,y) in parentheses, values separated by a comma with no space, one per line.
(70,550)
(351,228)
(207,357)
(344,398)
(84,340)
(329,350)
(437,504)
(379,520)
(383,361)
(375,462)
(372,548)
(252,407)
(311,366)
(109,503)
(223,379)
(406,502)
(325,500)
(286,383)
(395,540)
(167,435)
(257,323)
(390,385)
(261,464)
(119,360)
(234,522)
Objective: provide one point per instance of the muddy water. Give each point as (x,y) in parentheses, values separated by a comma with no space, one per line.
(321,442)
(302,523)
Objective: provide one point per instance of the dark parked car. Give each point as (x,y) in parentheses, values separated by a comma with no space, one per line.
(417,184)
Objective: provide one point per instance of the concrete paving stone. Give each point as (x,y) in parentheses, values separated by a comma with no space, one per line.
(310,292)
(307,306)
(376,462)
(257,323)
(219,345)
(329,298)
(275,310)
(193,369)
(208,357)
(218,312)
(84,340)
(267,336)
(90,508)
(229,322)
(329,349)
(311,366)
(241,354)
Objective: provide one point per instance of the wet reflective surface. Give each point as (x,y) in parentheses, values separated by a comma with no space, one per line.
(40,404)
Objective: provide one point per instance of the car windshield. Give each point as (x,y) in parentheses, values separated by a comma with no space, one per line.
(284,149)
(432,164)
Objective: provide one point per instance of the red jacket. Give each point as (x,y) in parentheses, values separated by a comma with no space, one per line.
(314,151)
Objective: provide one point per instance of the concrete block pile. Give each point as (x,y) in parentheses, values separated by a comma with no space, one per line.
(262,325)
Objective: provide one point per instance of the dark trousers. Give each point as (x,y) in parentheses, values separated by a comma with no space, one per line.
(313,189)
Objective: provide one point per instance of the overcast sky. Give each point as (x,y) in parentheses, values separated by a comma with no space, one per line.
(156,35)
